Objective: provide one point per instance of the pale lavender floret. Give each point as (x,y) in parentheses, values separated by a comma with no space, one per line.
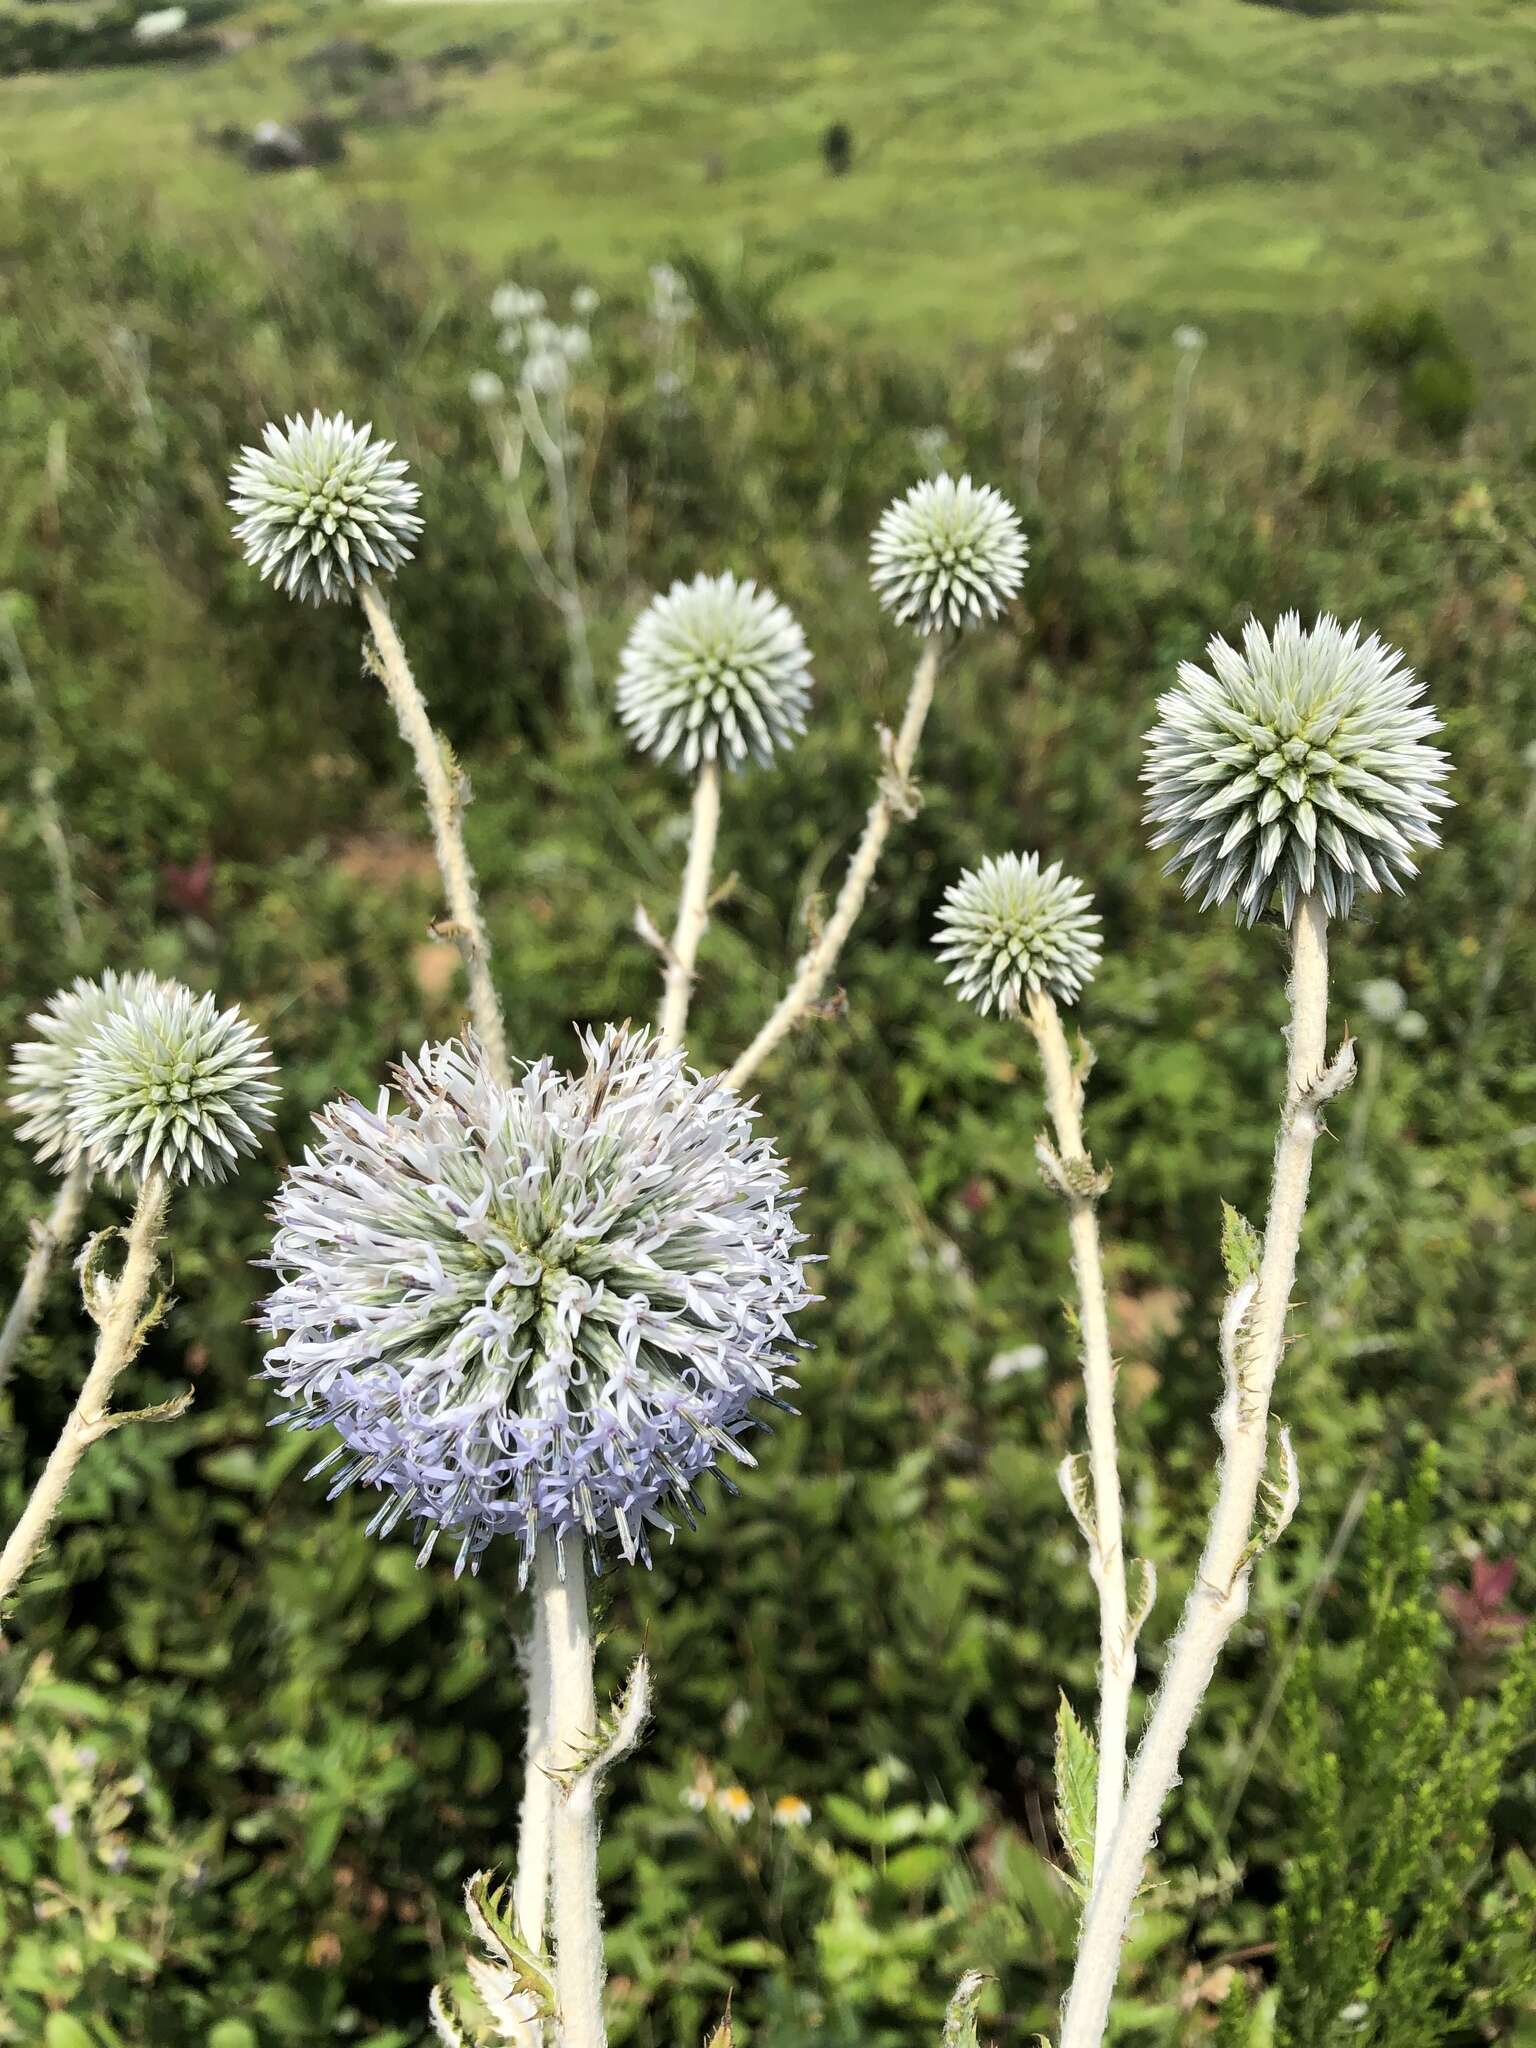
(547,1307)
(1297,765)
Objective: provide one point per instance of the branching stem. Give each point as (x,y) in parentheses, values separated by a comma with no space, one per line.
(121,1332)
(1219,1596)
(895,798)
(49,1236)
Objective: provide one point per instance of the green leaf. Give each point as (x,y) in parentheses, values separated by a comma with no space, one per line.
(1242,1247)
(960,2015)
(232,2034)
(62,2031)
(1077,1788)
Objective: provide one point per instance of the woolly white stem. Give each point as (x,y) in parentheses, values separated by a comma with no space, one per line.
(1117,1643)
(530,1891)
(693,907)
(121,1333)
(895,796)
(573,1726)
(45,802)
(1219,1596)
(445,809)
(58,1229)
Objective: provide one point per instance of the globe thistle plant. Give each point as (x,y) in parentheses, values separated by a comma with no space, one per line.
(170,1084)
(1010,926)
(547,1307)
(715,670)
(1297,765)
(43,1092)
(324,507)
(947,554)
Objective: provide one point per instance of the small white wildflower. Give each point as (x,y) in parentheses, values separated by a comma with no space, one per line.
(546,372)
(1188,340)
(172,1084)
(715,670)
(1011,925)
(947,554)
(323,507)
(159,23)
(1383,1001)
(43,1069)
(486,388)
(696,1797)
(585,301)
(61,1820)
(575,343)
(511,303)
(791,1811)
(1009,1365)
(1296,766)
(1412,1026)
(735,1802)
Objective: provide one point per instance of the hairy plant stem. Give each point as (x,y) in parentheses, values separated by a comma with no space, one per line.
(530,1884)
(122,1328)
(562,1592)
(1219,1596)
(445,808)
(692,908)
(44,785)
(896,798)
(49,1234)
(1080,1188)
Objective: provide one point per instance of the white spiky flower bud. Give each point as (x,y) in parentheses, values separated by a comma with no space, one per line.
(1011,925)
(947,554)
(323,507)
(43,1068)
(172,1084)
(714,670)
(1297,765)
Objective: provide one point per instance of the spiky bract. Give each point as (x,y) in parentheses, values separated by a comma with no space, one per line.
(947,554)
(1010,925)
(170,1083)
(546,1307)
(1297,765)
(714,670)
(43,1068)
(324,507)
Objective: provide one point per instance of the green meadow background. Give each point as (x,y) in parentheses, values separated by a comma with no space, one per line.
(248,1756)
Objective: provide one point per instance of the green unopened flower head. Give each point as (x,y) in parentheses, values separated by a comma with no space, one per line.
(324,507)
(1297,765)
(715,670)
(43,1068)
(947,554)
(1011,925)
(172,1084)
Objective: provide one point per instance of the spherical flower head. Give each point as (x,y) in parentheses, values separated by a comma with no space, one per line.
(324,507)
(1011,925)
(1296,766)
(947,554)
(43,1069)
(715,670)
(545,1307)
(172,1084)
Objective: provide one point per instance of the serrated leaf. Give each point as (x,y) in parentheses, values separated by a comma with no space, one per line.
(960,2014)
(1242,1247)
(515,1982)
(617,1732)
(723,2036)
(446,2024)
(1077,1789)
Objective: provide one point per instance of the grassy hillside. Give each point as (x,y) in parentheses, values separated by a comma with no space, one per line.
(1230,162)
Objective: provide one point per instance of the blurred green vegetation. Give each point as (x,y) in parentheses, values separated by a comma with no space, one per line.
(248,1756)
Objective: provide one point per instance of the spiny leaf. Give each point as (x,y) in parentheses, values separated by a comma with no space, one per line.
(1241,1246)
(960,2014)
(1077,1789)
(516,1983)
(1076,1490)
(1279,1492)
(724,2035)
(617,1732)
(446,2023)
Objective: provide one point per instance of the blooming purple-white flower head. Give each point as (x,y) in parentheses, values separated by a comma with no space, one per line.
(1011,925)
(43,1068)
(547,1307)
(715,670)
(323,507)
(169,1083)
(947,554)
(1296,765)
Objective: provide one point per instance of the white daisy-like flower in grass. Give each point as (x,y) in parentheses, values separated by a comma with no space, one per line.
(947,554)
(172,1084)
(1012,925)
(714,670)
(1296,765)
(43,1068)
(323,507)
(549,1307)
